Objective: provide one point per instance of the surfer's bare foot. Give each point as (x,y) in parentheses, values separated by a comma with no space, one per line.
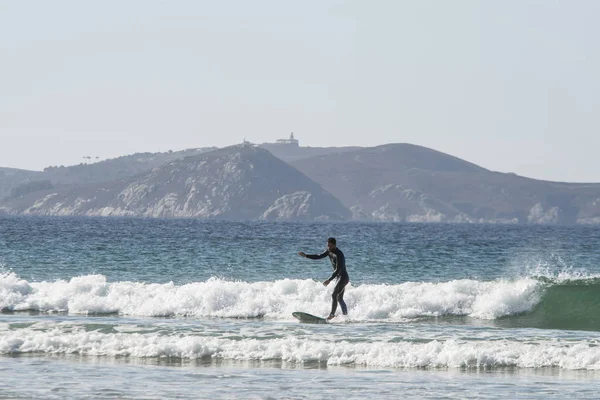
(330,317)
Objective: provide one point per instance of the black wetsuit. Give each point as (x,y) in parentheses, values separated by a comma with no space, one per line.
(338,262)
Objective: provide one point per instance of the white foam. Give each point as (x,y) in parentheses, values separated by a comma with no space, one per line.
(451,353)
(92,294)
(12,290)
(556,270)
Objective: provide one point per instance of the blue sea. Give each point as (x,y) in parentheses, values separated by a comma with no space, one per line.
(177,308)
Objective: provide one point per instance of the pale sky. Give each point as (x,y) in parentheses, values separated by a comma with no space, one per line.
(513,86)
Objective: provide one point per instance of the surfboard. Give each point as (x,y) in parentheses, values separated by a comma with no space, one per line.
(308,318)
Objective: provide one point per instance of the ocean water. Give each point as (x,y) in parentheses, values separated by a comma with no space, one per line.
(154,309)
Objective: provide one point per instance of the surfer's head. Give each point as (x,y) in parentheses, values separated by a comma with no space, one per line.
(331,244)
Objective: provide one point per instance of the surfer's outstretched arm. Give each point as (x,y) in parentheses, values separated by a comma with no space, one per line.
(314,256)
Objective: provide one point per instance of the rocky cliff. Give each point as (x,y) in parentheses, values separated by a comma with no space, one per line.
(238,182)
(403,182)
(394,182)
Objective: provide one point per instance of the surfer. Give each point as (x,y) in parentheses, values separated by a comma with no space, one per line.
(338,262)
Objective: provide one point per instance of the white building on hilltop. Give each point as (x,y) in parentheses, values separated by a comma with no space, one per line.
(290,141)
